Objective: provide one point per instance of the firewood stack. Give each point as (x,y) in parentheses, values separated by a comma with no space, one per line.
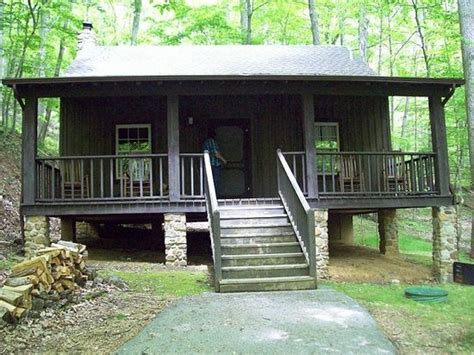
(58,268)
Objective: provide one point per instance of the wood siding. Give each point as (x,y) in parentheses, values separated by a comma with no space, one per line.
(276,121)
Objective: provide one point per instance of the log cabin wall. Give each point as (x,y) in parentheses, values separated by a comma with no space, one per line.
(87,125)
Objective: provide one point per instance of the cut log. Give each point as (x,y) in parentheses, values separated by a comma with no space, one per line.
(18,281)
(9,307)
(19,312)
(14,298)
(24,272)
(38,261)
(52,252)
(23,290)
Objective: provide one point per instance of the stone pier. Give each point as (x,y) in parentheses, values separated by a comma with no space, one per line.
(36,231)
(322,246)
(444,242)
(388,232)
(175,239)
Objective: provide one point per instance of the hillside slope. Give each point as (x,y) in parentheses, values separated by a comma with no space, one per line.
(10,188)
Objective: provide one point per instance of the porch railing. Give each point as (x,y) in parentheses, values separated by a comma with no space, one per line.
(104,177)
(214,219)
(376,173)
(297,163)
(298,210)
(192,175)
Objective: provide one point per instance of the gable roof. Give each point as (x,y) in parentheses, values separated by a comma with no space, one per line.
(225,60)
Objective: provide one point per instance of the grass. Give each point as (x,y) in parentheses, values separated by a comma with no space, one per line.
(165,283)
(444,327)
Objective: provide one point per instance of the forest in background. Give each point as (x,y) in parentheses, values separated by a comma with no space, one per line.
(396,37)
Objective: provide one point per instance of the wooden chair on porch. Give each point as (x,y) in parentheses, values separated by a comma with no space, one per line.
(74,182)
(136,178)
(351,177)
(395,176)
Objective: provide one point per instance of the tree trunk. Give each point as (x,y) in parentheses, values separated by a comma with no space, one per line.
(246,21)
(363,33)
(136,21)
(466,20)
(422,37)
(313,16)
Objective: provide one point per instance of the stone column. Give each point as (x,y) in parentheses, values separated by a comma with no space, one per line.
(444,243)
(36,232)
(322,247)
(388,232)
(175,239)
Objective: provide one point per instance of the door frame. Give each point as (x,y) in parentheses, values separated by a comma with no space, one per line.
(245,124)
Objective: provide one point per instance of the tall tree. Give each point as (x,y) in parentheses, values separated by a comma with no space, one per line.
(466,21)
(419,28)
(313,16)
(136,21)
(363,32)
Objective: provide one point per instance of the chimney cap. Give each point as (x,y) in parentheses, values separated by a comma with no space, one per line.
(86,25)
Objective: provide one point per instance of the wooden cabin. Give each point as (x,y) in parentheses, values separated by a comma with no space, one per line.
(304,129)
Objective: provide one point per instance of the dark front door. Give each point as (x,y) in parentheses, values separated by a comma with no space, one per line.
(233,138)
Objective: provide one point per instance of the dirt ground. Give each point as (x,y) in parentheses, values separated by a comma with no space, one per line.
(94,325)
(360,264)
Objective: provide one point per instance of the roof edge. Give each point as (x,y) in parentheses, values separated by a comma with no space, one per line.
(10,82)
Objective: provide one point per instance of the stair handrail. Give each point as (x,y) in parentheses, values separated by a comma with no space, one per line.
(299,212)
(214,218)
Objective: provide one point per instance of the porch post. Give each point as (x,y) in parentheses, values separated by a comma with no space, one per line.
(29,143)
(440,144)
(173,147)
(308,127)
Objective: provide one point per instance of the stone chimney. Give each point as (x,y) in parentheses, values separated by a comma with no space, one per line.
(87,37)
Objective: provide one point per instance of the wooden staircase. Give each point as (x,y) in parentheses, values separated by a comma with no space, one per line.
(259,251)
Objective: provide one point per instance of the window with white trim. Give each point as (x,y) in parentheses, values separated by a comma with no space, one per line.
(133,139)
(326,135)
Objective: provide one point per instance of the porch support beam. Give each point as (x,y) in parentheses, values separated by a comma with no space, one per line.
(440,144)
(173,147)
(29,143)
(308,128)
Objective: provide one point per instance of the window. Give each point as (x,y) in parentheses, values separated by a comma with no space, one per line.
(133,139)
(326,140)
(327,136)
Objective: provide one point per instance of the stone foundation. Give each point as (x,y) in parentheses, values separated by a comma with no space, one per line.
(322,246)
(388,232)
(36,231)
(444,242)
(175,240)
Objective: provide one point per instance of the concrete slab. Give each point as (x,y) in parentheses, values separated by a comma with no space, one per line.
(314,321)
